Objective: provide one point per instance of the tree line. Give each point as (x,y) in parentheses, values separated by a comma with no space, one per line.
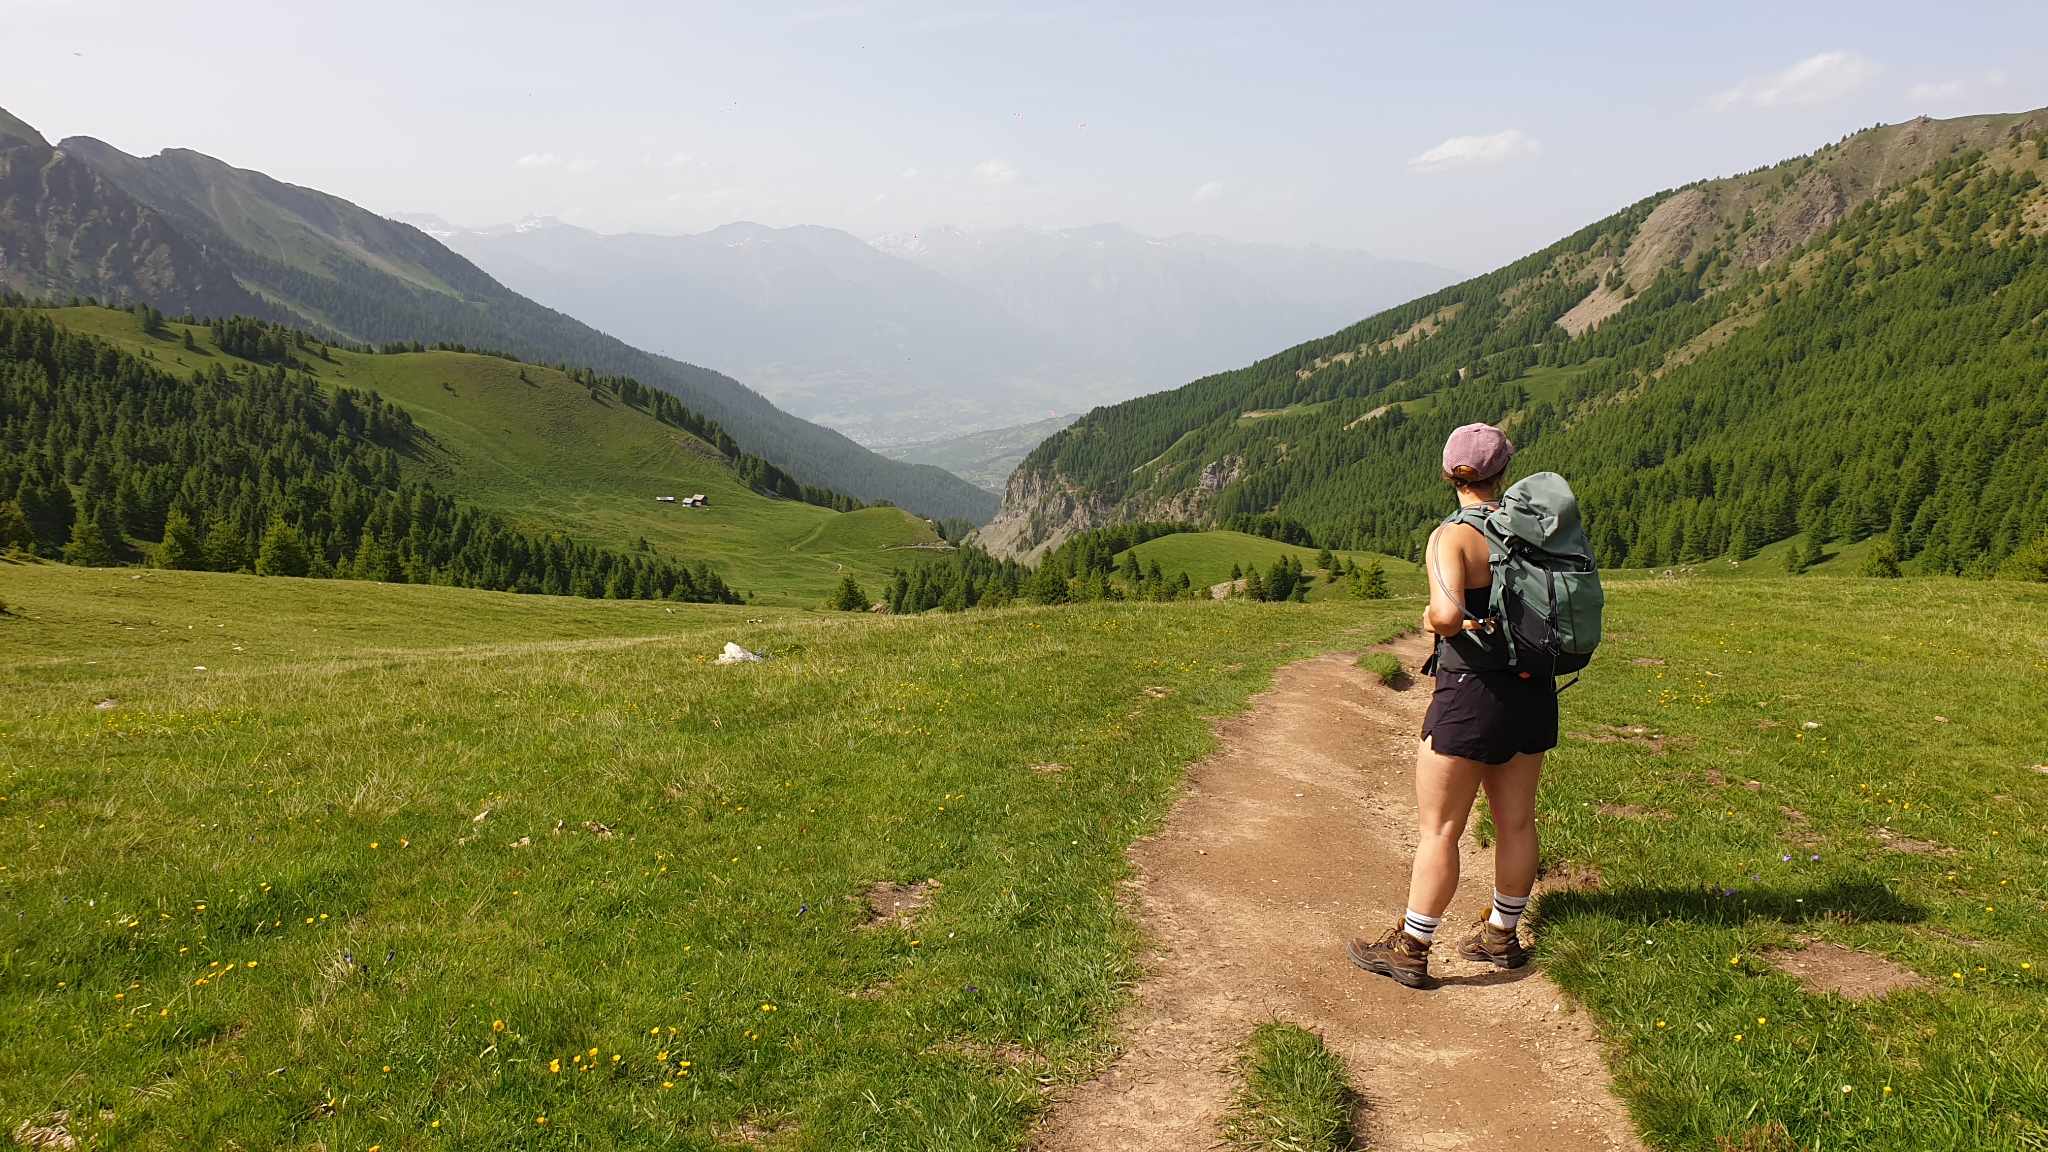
(106,458)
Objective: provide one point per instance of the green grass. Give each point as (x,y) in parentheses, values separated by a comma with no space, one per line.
(542,453)
(1010,755)
(1207,558)
(252,905)
(1838,558)
(1296,1096)
(1385,665)
(1927,696)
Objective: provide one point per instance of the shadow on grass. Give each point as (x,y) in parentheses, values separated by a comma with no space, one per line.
(1854,900)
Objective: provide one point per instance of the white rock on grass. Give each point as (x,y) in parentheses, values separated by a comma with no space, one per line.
(734,654)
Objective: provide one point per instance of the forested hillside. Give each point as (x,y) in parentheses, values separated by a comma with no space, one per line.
(257,470)
(1844,345)
(189,234)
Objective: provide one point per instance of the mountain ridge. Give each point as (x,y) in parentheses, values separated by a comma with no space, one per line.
(1629,326)
(193,234)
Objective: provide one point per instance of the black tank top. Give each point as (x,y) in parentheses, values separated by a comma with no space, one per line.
(1471,651)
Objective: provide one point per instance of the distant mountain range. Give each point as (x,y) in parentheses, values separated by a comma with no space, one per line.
(918,336)
(190,234)
(1844,346)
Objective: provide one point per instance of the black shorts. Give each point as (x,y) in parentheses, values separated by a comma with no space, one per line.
(1491,716)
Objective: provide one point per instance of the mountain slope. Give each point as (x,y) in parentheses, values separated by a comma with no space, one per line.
(189,233)
(550,453)
(66,228)
(1844,344)
(824,324)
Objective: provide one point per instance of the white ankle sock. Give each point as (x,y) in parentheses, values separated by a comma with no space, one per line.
(1507,910)
(1421,927)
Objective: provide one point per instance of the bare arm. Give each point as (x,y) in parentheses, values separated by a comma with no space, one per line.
(1445,560)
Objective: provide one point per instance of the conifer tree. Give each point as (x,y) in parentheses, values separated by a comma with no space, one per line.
(223,547)
(14,530)
(180,548)
(1883,559)
(850,598)
(95,539)
(1375,580)
(283,551)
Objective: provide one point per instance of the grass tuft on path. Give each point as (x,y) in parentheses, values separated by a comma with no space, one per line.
(1384,665)
(1296,1097)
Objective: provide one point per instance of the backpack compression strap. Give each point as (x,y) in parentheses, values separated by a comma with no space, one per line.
(1476,517)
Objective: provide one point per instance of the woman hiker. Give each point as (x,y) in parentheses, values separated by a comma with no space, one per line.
(1484,729)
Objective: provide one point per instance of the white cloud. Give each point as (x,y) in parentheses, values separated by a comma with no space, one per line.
(995,172)
(1467,151)
(678,161)
(910,173)
(1208,191)
(1814,80)
(1951,91)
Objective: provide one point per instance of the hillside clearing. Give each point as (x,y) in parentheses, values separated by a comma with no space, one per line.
(541,449)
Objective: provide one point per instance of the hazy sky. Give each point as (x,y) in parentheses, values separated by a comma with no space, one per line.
(1463,134)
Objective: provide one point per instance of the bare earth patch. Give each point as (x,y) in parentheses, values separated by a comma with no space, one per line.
(1647,662)
(754,1134)
(1821,967)
(1049,768)
(1900,843)
(1624,734)
(1598,305)
(1293,836)
(1005,1054)
(898,905)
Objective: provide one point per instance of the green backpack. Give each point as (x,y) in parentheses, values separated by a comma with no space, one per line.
(1543,615)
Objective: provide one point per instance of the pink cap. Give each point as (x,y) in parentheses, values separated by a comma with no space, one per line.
(1477,451)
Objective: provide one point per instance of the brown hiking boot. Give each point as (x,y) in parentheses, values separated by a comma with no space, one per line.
(1497,946)
(1396,954)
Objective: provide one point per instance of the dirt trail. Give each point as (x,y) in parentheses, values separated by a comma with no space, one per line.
(1292,837)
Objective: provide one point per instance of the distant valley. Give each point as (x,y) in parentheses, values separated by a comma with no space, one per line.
(926,335)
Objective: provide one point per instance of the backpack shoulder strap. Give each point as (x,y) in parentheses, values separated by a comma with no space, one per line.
(1473,517)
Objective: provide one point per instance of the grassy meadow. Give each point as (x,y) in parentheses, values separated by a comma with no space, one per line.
(1207,557)
(331,864)
(531,444)
(1755,764)
(417,867)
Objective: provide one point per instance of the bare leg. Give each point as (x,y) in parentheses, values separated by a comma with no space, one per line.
(1511,794)
(1445,787)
